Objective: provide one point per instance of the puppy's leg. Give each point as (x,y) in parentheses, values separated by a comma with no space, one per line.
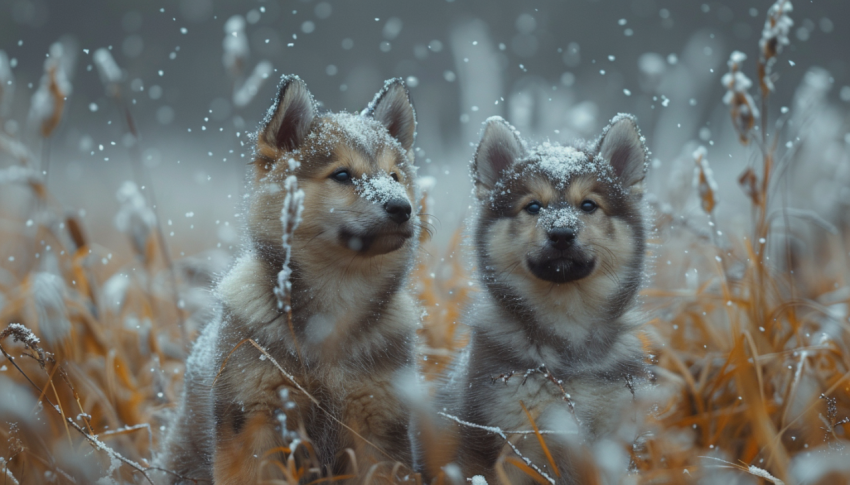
(187,451)
(383,422)
(247,443)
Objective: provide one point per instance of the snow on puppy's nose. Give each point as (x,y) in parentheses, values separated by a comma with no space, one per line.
(564,217)
(380,188)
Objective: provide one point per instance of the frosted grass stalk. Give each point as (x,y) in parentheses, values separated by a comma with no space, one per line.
(290,218)
(704,181)
(741,105)
(134,218)
(774,36)
(7,84)
(252,85)
(48,101)
(235,45)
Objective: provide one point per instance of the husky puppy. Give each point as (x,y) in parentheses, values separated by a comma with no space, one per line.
(559,240)
(353,321)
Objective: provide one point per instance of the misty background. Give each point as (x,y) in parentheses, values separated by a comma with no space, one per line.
(558,70)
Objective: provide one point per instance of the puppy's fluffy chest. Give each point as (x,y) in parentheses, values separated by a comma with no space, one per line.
(580,404)
(561,396)
(345,328)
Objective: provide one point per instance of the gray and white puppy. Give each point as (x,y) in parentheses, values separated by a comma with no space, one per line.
(559,245)
(353,320)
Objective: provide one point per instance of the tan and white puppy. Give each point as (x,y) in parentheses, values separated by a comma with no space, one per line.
(352,317)
(559,244)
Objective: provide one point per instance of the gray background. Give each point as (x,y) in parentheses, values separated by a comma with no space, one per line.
(541,60)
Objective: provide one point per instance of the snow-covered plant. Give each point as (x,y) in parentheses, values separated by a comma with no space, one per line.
(134,218)
(776,28)
(235,60)
(244,94)
(743,109)
(110,74)
(7,475)
(774,35)
(16,174)
(48,296)
(48,101)
(290,218)
(704,181)
(7,84)
(235,45)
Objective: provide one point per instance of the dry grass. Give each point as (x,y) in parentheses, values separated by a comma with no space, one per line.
(751,355)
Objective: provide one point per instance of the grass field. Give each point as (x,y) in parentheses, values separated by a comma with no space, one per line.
(747,322)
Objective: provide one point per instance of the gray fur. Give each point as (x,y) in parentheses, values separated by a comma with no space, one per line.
(499,148)
(589,342)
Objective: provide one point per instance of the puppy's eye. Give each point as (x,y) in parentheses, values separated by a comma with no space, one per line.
(394,176)
(342,176)
(588,206)
(533,208)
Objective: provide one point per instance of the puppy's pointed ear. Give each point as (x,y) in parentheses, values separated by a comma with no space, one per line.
(392,107)
(623,147)
(499,148)
(288,120)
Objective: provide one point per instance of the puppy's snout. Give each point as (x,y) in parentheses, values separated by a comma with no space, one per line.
(398,210)
(561,237)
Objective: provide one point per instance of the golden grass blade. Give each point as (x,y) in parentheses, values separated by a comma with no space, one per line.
(62,412)
(541,440)
(526,469)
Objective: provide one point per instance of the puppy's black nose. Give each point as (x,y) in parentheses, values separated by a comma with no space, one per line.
(398,210)
(562,237)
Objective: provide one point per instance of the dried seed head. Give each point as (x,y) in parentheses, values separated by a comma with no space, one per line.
(243,96)
(134,217)
(777,25)
(75,230)
(704,181)
(749,183)
(110,74)
(48,102)
(741,105)
(16,174)
(235,45)
(48,296)
(774,35)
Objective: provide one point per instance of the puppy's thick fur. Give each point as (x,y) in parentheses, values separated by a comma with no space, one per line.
(559,241)
(352,318)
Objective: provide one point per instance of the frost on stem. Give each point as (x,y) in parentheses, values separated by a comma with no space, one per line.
(16,174)
(48,294)
(7,476)
(503,434)
(22,334)
(7,84)
(252,85)
(48,101)
(235,45)
(110,74)
(134,218)
(704,181)
(290,218)
(743,109)
(774,35)
(776,28)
